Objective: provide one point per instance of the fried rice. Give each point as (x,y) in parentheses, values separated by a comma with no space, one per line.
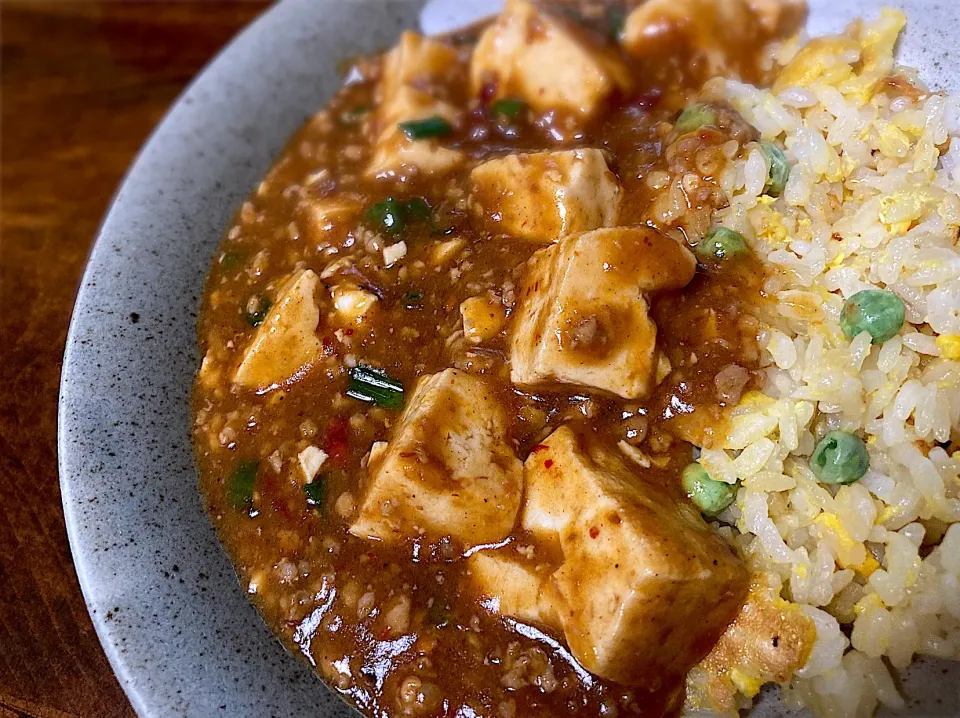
(872,202)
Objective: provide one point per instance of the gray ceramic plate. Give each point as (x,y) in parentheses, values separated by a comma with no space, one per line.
(164,599)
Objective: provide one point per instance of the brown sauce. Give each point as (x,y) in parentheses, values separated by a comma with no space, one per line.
(398,631)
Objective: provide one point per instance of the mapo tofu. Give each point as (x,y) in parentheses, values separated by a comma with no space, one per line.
(451,351)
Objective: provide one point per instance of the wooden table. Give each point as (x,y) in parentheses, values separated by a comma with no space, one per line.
(83,84)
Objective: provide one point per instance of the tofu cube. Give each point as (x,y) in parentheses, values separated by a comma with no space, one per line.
(448,470)
(311,460)
(321,216)
(715,30)
(582,312)
(646,587)
(417,61)
(511,586)
(444,252)
(547,195)
(529,54)
(352,304)
(652,27)
(483,318)
(285,345)
(781,17)
(396,155)
(393,253)
(413,68)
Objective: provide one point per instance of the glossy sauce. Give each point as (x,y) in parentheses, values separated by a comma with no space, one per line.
(398,631)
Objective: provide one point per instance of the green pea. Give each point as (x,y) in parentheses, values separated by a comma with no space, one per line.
(779,170)
(877,311)
(721,243)
(710,496)
(840,458)
(695,117)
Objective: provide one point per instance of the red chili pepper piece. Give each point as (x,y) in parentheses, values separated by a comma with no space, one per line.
(337,441)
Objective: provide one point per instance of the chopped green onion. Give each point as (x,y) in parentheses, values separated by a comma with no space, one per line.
(779,170)
(709,495)
(376,386)
(426,128)
(388,214)
(240,484)
(256,311)
(878,311)
(616,18)
(509,107)
(439,614)
(412,299)
(391,215)
(315,491)
(695,117)
(230,259)
(840,458)
(721,243)
(417,208)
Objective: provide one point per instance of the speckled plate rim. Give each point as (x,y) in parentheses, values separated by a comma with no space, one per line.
(146,556)
(178,631)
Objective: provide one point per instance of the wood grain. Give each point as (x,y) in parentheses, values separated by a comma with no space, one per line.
(83,83)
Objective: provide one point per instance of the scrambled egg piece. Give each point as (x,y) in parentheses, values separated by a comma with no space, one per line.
(819,60)
(855,63)
(893,142)
(870,601)
(850,552)
(774,231)
(949,346)
(849,549)
(866,568)
(876,40)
